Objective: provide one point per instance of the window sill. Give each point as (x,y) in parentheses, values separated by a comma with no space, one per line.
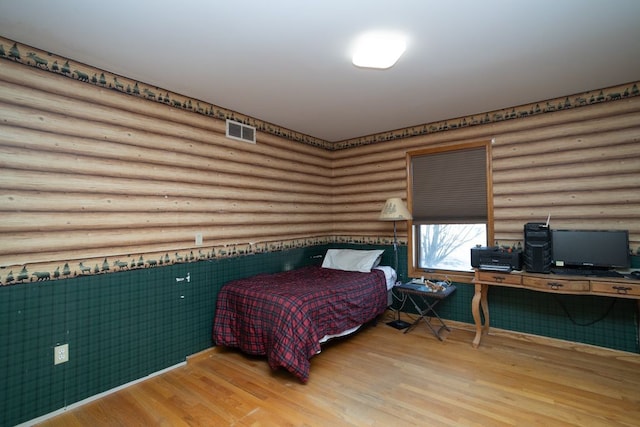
(454,276)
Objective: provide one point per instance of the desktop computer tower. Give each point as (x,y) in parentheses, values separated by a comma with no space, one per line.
(537,247)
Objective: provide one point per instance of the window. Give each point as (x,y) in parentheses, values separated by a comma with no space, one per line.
(449,195)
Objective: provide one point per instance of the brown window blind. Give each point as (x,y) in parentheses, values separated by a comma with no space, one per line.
(450,187)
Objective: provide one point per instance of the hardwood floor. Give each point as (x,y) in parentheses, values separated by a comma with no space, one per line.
(382,377)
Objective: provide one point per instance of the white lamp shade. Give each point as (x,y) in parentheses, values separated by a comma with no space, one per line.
(394,210)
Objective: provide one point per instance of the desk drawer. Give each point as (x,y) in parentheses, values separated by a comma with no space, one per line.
(558,285)
(618,288)
(497,277)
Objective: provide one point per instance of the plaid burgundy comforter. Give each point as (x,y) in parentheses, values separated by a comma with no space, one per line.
(284,315)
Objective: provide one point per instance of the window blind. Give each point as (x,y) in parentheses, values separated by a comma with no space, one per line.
(450,187)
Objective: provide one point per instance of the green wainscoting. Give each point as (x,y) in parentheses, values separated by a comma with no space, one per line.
(601,321)
(119,326)
(124,326)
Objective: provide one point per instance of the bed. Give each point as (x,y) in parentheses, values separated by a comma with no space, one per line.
(286,316)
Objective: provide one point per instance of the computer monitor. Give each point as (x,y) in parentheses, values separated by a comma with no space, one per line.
(605,249)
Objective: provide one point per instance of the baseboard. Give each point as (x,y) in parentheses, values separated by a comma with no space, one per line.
(192,358)
(98,396)
(538,339)
(548,341)
(204,354)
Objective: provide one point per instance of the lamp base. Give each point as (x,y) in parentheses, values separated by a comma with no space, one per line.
(399,324)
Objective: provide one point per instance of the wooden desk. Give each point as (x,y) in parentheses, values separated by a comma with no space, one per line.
(577,285)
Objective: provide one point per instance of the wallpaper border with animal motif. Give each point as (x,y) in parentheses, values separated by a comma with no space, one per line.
(38,272)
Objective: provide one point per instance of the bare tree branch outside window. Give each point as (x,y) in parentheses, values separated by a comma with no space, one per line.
(448,246)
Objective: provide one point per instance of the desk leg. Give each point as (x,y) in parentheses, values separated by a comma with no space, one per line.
(480,300)
(484,303)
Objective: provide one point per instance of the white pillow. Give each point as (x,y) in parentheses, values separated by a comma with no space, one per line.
(352,259)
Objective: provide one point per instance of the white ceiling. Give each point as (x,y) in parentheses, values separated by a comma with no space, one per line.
(288,61)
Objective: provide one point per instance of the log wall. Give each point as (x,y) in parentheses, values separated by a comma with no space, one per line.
(93,179)
(581,166)
(90,176)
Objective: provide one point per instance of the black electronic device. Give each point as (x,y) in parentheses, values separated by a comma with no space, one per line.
(537,247)
(496,258)
(591,249)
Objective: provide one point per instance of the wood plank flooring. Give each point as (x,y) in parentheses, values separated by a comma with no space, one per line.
(382,377)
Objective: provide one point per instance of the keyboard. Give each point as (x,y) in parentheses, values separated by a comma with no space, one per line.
(586,272)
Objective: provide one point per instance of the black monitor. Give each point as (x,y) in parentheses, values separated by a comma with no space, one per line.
(605,249)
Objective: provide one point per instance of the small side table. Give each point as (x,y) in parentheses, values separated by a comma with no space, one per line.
(417,292)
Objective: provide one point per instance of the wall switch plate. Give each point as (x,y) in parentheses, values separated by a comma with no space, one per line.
(61,354)
(198,239)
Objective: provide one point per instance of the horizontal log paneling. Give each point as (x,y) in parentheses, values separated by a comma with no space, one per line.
(369,168)
(344,183)
(563,126)
(576,168)
(121,139)
(382,191)
(582,168)
(62,247)
(14,179)
(36,201)
(578,161)
(559,198)
(23,159)
(600,213)
(47,83)
(582,182)
(513,154)
(69,221)
(162,238)
(80,163)
(87,173)
(510,231)
(580,165)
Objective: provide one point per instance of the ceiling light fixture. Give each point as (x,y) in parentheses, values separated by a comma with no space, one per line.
(379,50)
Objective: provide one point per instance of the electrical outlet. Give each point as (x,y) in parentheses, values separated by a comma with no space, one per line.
(61,354)
(198,239)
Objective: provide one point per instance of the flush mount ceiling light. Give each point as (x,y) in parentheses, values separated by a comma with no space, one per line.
(379,50)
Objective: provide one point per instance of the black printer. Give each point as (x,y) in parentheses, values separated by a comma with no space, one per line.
(495,258)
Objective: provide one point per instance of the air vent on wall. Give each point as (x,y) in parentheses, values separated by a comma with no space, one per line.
(241,132)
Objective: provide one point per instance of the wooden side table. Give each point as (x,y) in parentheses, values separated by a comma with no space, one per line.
(421,293)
